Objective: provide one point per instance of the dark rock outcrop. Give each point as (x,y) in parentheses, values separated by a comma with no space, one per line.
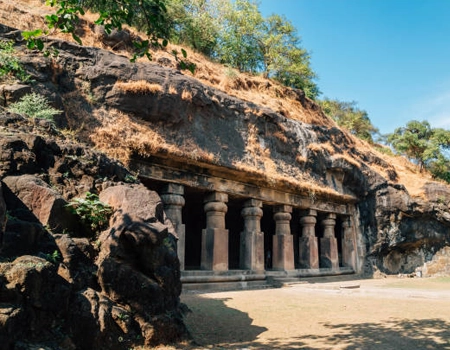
(61,287)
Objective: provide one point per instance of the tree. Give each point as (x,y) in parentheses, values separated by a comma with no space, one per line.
(195,23)
(423,145)
(284,59)
(238,44)
(350,117)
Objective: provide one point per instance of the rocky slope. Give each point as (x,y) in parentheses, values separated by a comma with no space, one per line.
(63,285)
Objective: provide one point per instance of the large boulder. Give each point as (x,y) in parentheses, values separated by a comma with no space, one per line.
(47,205)
(138,264)
(32,294)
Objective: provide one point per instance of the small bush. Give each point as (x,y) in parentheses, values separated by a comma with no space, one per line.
(93,213)
(10,66)
(34,106)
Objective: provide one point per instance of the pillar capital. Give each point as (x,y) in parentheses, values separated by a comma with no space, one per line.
(218,207)
(282,209)
(171,188)
(309,212)
(331,216)
(251,211)
(308,221)
(253,203)
(172,199)
(216,197)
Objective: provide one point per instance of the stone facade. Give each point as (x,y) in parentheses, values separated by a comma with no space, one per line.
(322,239)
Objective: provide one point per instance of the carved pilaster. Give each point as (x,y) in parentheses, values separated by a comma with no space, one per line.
(252,239)
(348,248)
(283,241)
(172,196)
(308,245)
(329,257)
(215,236)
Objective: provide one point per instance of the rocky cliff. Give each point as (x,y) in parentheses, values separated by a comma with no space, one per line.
(64,283)
(124,285)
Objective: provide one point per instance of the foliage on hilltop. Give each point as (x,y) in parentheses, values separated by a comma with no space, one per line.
(231,32)
(424,145)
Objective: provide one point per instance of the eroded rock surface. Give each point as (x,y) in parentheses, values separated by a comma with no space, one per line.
(63,286)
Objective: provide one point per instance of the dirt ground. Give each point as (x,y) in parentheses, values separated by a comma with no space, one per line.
(392,313)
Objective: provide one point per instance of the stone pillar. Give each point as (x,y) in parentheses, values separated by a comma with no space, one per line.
(348,248)
(283,241)
(215,236)
(328,244)
(172,196)
(308,245)
(252,239)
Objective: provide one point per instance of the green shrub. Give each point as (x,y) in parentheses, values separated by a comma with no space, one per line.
(93,213)
(10,66)
(34,106)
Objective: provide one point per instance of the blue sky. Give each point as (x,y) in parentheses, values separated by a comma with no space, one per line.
(390,56)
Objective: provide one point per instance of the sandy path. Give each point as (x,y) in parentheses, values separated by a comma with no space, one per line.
(380,314)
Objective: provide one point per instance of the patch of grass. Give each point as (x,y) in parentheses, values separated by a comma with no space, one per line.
(138,87)
(34,106)
(10,66)
(92,211)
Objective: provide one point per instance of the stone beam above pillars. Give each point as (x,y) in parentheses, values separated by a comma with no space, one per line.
(283,241)
(172,196)
(205,180)
(215,235)
(308,245)
(329,257)
(252,239)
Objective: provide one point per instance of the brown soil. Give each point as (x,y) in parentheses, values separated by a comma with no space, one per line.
(380,314)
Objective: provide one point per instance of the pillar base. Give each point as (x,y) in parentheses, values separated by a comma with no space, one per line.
(214,249)
(283,252)
(252,251)
(329,253)
(308,253)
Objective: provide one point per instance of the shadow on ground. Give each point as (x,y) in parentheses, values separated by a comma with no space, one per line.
(214,325)
(395,334)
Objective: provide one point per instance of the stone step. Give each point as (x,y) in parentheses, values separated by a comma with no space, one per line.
(224,286)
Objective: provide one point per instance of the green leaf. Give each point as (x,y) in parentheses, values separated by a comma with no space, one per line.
(40,44)
(77,38)
(31,44)
(183,51)
(31,33)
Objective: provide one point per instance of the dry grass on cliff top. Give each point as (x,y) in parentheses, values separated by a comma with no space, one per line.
(28,14)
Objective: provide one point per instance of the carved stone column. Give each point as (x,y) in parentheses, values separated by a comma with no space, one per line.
(328,244)
(172,196)
(348,248)
(215,236)
(308,244)
(252,239)
(283,241)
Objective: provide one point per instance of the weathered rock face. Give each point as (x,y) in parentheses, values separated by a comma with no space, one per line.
(398,232)
(61,288)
